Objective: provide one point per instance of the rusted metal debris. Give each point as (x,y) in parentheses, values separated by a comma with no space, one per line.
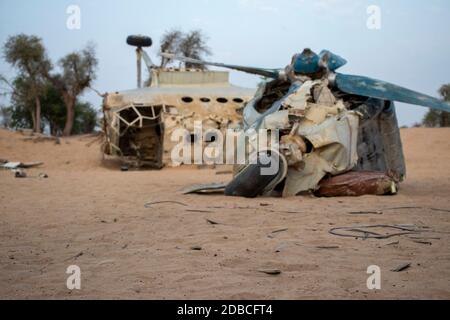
(357,183)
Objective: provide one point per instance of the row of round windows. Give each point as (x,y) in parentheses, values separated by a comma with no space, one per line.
(206,100)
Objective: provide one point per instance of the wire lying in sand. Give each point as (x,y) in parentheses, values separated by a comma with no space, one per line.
(149,204)
(359,232)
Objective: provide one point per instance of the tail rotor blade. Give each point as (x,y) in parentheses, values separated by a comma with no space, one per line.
(269,73)
(373,88)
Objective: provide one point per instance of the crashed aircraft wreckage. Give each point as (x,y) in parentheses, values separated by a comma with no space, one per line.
(339,134)
(139,123)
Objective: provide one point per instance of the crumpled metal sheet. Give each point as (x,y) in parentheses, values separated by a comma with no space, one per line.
(299,99)
(323,95)
(276,120)
(379,142)
(318,113)
(329,127)
(335,152)
(295,100)
(334,131)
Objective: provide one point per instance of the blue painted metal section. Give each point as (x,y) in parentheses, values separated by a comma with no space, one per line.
(306,62)
(367,87)
(309,62)
(331,60)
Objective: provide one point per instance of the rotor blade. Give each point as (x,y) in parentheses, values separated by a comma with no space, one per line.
(270,73)
(373,88)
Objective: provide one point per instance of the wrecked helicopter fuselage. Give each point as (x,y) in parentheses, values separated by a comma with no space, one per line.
(139,123)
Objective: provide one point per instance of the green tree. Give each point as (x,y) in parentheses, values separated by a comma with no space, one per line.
(78,71)
(28,55)
(53,113)
(22,105)
(85,118)
(437,118)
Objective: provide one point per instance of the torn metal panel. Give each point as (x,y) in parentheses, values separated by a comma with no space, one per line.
(330,130)
(335,152)
(300,97)
(323,95)
(277,120)
(273,96)
(357,184)
(318,113)
(293,147)
(379,142)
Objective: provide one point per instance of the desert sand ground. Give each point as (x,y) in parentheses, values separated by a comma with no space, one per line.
(93,216)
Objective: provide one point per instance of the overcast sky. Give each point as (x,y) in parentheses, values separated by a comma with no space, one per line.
(411,48)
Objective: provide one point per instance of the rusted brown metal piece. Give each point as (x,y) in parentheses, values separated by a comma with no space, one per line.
(357,184)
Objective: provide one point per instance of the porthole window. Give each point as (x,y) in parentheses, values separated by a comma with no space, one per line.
(222,100)
(187,99)
(205,99)
(210,136)
(191,138)
(238,100)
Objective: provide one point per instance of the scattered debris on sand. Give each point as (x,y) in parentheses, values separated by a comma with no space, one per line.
(357,184)
(19,173)
(150,204)
(401,267)
(272,272)
(23,165)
